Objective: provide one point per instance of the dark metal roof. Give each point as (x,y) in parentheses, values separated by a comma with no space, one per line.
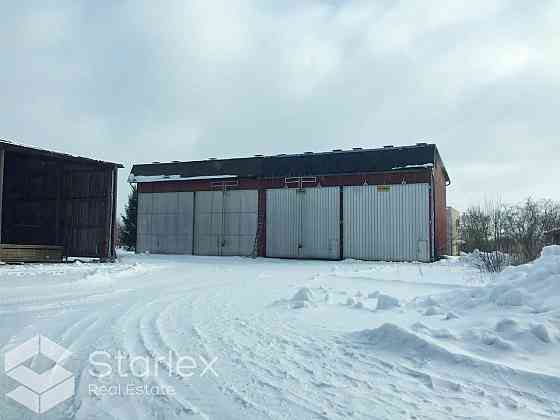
(305,164)
(20,148)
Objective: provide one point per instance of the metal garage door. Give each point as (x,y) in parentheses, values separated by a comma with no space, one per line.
(225,222)
(389,223)
(303,223)
(165,222)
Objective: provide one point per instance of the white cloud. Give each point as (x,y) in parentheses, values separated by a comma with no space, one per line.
(138,82)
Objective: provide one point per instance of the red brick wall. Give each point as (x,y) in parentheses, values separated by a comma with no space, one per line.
(383,178)
(440,207)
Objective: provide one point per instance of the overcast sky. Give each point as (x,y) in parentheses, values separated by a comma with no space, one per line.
(133,81)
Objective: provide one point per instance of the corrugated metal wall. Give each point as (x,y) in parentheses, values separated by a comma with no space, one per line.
(388,223)
(165,223)
(283,223)
(240,222)
(208,214)
(379,222)
(303,223)
(226,222)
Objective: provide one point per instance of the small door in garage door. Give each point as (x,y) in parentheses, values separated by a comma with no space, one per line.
(225,222)
(303,223)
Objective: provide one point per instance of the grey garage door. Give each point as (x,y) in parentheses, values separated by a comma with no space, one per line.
(389,223)
(303,223)
(165,222)
(225,222)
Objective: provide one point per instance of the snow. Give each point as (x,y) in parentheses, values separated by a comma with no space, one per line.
(386,302)
(303,294)
(158,178)
(294,339)
(424,165)
(432,310)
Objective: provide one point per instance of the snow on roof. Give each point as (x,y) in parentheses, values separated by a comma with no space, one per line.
(159,178)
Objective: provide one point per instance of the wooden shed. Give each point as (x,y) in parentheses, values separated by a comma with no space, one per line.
(54,205)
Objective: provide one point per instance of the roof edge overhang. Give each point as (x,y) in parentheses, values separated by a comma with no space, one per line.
(20,148)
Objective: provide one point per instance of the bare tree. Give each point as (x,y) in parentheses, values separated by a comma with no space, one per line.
(508,234)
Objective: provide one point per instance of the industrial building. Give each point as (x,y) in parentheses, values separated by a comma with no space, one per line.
(54,205)
(372,204)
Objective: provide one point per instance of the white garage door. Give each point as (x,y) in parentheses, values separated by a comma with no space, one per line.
(388,223)
(165,222)
(225,222)
(303,223)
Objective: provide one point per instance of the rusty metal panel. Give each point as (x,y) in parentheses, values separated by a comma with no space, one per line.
(388,223)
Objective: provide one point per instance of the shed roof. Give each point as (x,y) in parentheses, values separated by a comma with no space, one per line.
(20,148)
(357,160)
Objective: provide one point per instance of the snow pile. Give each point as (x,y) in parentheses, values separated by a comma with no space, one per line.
(432,310)
(301,304)
(387,302)
(392,338)
(541,332)
(351,301)
(303,295)
(535,285)
(507,326)
(513,297)
(450,315)
(302,299)
(442,333)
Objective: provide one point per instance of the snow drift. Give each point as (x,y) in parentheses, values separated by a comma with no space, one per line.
(535,285)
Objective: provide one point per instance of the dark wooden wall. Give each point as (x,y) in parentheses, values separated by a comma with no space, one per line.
(54,201)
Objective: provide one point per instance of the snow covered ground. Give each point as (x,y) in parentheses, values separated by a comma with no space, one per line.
(291,339)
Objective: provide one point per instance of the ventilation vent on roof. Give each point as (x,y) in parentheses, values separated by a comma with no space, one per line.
(211,158)
(155,162)
(389,146)
(176,161)
(281,154)
(337,150)
(308,153)
(259,155)
(356,148)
